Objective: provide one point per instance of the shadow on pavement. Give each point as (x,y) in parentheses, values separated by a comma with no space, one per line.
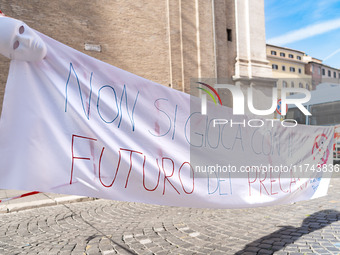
(123,247)
(289,234)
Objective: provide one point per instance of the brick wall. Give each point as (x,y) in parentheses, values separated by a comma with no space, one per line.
(167,41)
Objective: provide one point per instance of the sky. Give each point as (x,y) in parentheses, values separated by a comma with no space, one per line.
(306,25)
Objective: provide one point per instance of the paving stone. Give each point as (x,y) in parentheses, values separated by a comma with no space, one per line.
(194,234)
(264,251)
(304,250)
(268,241)
(101,226)
(321,251)
(217,253)
(265,246)
(280,253)
(333,249)
(108,252)
(145,241)
(252,249)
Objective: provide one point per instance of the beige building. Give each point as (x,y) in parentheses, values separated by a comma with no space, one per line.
(289,67)
(295,68)
(167,41)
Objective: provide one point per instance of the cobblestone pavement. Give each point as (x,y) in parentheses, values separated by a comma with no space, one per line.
(109,227)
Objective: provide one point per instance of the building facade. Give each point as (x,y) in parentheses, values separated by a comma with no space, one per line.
(289,67)
(165,41)
(330,74)
(314,69)
(295,68)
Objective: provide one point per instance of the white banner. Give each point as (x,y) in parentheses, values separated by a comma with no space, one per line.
(72,124)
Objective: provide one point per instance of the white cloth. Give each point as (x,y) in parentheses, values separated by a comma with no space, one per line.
(72,124)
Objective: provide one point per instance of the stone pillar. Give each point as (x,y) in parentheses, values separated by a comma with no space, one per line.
(191,41)
(252,67)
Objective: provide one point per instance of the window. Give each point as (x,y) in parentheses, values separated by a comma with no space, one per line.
(275,67)
(329,73)
(292,69)
(298,57)
(284,84)
(283,68)
(291,56)
(273,52)
(319,70)
(334,74)
(300,71)
(292,84)
(323,71)
(229,35)
(307,86)
(300,85)
(282,54)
